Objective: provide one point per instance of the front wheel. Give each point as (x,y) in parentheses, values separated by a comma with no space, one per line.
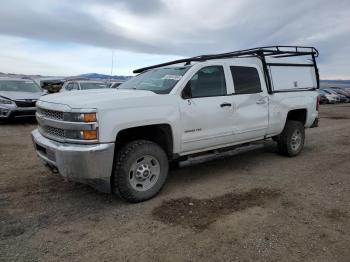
(291,141)
(140,171)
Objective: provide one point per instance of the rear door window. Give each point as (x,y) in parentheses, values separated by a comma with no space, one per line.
(245,79)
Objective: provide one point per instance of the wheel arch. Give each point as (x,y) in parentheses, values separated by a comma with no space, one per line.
(162,134)
(297,115)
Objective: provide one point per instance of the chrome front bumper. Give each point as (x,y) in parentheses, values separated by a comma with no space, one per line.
(90,164)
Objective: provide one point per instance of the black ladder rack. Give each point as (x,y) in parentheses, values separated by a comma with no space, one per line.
(259,52)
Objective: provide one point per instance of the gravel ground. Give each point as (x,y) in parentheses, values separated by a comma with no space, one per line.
(257,206)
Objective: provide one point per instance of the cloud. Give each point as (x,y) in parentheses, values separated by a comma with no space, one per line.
(140,7)
(185,28)
(18,55)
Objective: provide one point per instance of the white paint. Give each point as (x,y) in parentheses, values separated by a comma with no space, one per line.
(250,117)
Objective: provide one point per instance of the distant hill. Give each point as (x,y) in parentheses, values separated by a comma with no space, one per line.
(19,75)
(92,76)
(96,76)
(339,83)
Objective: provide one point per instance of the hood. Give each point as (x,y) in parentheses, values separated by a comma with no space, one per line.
(96,97)
(21,95)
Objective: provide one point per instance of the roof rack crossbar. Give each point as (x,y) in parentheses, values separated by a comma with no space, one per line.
(261,52)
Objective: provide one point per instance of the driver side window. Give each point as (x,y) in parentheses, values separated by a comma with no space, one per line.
(207,82)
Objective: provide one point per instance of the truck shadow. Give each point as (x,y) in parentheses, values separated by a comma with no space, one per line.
(220,167)
(182,176)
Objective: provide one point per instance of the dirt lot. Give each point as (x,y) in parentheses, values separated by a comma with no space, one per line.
(256,206)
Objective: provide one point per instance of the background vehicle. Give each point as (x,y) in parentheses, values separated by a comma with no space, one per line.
(342,91)
(83,85)
(323,98)
(18,97)
(51,84)
(342,98)
(328,98)
(122,140)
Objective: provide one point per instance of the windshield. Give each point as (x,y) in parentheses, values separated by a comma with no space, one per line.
(160,81)
(19,86)
(86,86)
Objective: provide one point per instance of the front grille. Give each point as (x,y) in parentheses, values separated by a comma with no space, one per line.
(56,115)
(56,125)
(53,131)
(25,103)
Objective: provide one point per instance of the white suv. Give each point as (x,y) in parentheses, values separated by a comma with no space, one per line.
(83,85)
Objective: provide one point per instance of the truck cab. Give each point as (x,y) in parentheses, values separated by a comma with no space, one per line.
(122,140)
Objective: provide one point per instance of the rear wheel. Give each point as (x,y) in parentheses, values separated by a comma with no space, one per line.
(291,140)
(140,171)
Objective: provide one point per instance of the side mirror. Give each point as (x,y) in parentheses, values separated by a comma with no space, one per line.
(187,92)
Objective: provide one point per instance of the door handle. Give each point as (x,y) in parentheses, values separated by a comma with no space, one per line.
(226,104)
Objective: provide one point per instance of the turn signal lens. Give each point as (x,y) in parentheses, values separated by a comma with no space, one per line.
(90,117)
(90,135)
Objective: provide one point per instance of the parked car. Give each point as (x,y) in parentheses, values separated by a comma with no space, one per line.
(323,99)
(342,98)
(330,98)
(122,140)
(18,97)
(342,91)
(83,85)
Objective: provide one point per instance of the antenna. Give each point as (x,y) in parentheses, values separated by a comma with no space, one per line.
(112,66)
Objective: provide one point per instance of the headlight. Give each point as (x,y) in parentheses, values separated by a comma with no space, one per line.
(5,101)
(73,126)
(81,135)
(89,119)
(80,117)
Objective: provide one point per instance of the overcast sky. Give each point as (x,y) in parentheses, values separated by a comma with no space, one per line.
(65,37)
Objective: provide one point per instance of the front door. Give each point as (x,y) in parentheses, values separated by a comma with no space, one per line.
(206,110)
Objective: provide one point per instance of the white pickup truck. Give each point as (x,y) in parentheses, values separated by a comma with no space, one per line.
(122,140)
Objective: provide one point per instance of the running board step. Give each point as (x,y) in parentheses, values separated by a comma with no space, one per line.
(194,160)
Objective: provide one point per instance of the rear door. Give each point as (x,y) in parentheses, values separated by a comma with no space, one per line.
(206,110)
(250,101)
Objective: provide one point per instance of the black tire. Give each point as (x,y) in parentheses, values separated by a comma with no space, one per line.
(286,140)
(123,163)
